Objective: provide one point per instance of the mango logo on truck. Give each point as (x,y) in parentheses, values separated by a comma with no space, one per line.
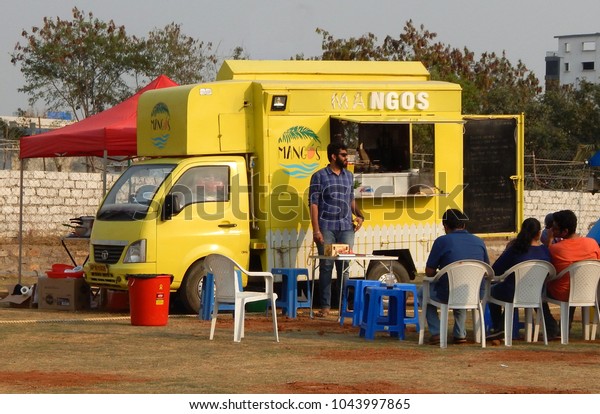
(298,149)
(160,121)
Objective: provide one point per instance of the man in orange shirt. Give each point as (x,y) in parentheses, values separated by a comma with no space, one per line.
(572,248)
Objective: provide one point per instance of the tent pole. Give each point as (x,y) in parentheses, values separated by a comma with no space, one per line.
(21,223)
(105,164)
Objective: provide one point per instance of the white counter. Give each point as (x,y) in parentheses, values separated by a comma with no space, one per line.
(384,184)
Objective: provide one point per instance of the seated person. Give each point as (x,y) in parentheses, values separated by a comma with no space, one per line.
(457,244)
(570,249)
(548,220)
(526,246)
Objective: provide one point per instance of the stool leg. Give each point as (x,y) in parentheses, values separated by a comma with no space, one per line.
(358,305)
(288,301)
(397,314)
(207,297)
(400,314)
(345,311)
(292,290)
(415,317)
(369,316)
(373,314)
(393,317)
(305,303)
(363,323)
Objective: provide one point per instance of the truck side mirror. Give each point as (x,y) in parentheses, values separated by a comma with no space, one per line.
(172,206)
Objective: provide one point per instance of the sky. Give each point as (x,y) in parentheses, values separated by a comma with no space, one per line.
(271,29)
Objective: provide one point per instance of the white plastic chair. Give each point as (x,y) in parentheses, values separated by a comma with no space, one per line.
(228,289)
(583,291)
(530,276)
(596,317)
(464,282)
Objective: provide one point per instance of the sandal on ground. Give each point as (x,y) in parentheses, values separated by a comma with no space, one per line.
(434,340)
(323,313)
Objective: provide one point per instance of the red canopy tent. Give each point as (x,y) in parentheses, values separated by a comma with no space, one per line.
(108,133)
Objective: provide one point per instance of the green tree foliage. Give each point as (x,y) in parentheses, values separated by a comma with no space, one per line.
(491,84)
(587,117)
(239,54)
(77,64)
(544,136)
(362,48)
(86,65)
(184,59)
(563,119)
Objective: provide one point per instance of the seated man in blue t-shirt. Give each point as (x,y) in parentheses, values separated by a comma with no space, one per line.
(457,244)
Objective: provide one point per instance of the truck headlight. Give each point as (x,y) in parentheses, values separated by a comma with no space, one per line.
(136,253)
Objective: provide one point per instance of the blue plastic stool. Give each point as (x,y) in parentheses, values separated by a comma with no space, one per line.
(358,286)
(207,298)
(373,321)
(288,300)
(411,288)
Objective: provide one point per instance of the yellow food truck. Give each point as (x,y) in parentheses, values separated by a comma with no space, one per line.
(227,167)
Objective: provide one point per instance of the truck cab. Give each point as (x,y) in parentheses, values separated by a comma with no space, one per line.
(162,215)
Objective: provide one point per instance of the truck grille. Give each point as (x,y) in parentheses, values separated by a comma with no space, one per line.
(107,254)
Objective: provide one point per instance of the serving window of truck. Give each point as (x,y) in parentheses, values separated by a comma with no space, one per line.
(395,157)
(389,158)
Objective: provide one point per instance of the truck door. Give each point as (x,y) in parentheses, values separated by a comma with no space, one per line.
(211,217)
(493,173)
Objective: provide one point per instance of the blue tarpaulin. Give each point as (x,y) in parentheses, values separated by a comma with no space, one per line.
(595,160)
(594,233)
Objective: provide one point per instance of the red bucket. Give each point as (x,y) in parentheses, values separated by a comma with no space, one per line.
(149,299)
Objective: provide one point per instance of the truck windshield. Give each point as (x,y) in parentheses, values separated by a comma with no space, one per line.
(131,196)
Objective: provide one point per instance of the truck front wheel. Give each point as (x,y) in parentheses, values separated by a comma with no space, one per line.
(380,269)
(191,287)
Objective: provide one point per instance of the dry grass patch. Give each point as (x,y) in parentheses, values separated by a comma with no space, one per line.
(59,352)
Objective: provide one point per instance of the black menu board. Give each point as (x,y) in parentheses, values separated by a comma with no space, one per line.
(490,159)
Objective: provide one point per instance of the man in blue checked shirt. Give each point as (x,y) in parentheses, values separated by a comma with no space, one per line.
(332,204)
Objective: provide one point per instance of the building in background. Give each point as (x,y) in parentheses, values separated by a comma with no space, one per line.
(37,125)
(14,127)
(577,58)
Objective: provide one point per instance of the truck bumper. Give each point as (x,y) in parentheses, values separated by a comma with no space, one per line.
(115,276)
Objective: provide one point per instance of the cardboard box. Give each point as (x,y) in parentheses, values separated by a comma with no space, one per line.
(16,298)
(336,249)
(63,293)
